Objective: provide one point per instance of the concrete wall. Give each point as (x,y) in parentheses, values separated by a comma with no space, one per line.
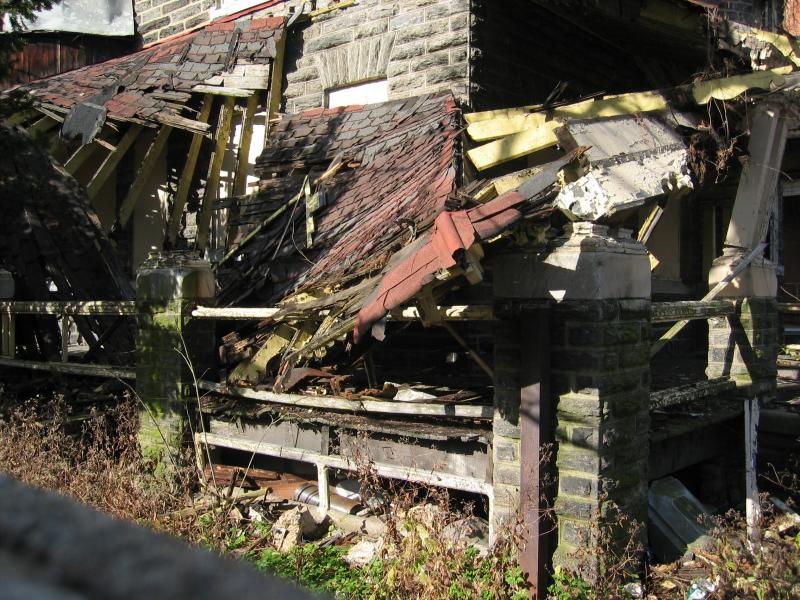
(419,46)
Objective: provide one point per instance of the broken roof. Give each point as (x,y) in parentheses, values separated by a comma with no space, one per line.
(391,168)
(150,86)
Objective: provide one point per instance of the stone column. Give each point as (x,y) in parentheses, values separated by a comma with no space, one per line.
(168,287)
(599,286)
(744,346)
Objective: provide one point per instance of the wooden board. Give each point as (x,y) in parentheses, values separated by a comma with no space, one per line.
(514,146)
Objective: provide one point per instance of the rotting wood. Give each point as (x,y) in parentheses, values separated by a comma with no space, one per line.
(467,484)
(174,120)
(71,368)
(42,125)
(80,156)
(752,502)
(354,406)
(64,338)
(223,91)
(93,307)
(690,392)
(151,160)
(187,176)
(8,333)
(666,312)
(243,158)
(18,118)
(675,329)
(212,179)
(112,161)
(514,146)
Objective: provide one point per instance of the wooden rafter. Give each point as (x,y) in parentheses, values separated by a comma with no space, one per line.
(185,184)
(212,181)
(112,161)
(151,160)
(79,157)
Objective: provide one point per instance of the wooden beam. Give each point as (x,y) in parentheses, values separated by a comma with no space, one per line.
(484,131)
(79,157)
(243,158)
(71,368)
(675,329)
(112,161)
(219,90)
(18,118)
(430,477)
(727,88)
(215,165)
(185,184)
(42,125)
(514,146)
(666,312)
(353,406)
(8,333)
(93,307)
(151,159)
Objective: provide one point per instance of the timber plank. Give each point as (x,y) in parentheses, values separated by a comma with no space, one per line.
(112,161)
(185,184)
(514,146)
(151,160)
(212,180)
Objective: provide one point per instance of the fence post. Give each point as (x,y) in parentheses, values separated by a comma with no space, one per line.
(170,347)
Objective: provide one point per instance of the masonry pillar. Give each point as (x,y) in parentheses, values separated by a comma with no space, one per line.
(599,287)
(744,346)
(169,286)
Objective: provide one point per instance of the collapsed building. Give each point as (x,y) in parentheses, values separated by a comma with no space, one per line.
(468,278)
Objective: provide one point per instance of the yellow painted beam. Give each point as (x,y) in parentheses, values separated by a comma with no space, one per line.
(484,131)
(514,146)
(613,106)
(185,183)
(729,87)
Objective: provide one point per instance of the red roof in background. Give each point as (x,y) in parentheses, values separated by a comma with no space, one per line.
(405,151)
(125,85)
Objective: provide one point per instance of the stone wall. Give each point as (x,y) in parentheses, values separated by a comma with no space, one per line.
(419,46)
(158,19)
(601,378)
(744,346)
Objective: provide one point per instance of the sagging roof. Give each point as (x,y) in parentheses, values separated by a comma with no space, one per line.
(151,86)
(380,171)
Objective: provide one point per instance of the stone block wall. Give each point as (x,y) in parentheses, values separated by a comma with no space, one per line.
(600,376)
(506,466)
(419,46)
(744,346)
(158,19)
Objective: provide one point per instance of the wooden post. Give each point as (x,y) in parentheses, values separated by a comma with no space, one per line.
(185,184)
(536,433)
(151,159)
(65,338)
(324,492)
(7,325)
(243,159)
(753,507)
(112,161)
(212,181)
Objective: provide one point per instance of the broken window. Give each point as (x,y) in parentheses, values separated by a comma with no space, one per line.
(369,92)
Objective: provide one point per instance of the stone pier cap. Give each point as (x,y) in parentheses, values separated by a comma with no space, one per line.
(588,262)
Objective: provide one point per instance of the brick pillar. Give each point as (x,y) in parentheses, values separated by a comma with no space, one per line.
(168,287)
(599,288)
(744,346)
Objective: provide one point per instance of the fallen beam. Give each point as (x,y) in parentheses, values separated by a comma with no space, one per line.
(71,368)
(514,146)
(665,312)
(466,484)
(95,307)
(354,406)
